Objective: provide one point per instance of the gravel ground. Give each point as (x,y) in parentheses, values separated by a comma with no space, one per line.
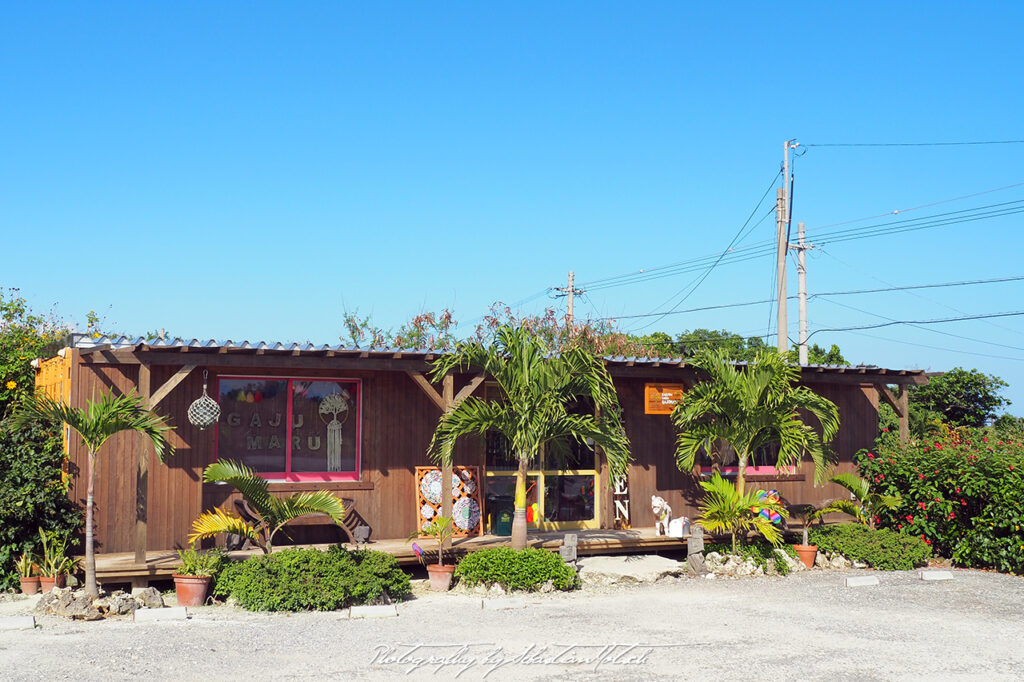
(805,626)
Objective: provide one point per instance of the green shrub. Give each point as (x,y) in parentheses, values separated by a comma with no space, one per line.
(760,551)
(963,494)
(313,580)
(526,569)
(884,549)
(32,494)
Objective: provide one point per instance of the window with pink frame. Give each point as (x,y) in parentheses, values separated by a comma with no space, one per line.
(294,429)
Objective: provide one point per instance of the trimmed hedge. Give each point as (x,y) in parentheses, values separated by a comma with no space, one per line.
(526,569)
(313,580)
(962,494)
(884,549)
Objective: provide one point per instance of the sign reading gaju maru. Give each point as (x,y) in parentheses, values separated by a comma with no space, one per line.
(661,398)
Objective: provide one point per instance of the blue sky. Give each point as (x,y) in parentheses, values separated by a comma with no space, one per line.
(252,170)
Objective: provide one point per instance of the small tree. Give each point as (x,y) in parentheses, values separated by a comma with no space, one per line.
(274,512)
(538,387)
(749,407)
(724,509)
(95,425)
(866,505)
(963,397)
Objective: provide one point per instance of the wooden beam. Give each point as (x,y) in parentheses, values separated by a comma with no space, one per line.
(904,414)
(248,359)
(142,476)
(901,404)
(448,391)
(422,382)
(169,385)
(468,389)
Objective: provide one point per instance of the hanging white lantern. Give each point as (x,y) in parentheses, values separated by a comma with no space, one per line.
(204,412)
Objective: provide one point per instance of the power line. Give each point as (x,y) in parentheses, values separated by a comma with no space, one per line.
(934,331)
(831,293)
(948,350)
(913,144)
(985,316)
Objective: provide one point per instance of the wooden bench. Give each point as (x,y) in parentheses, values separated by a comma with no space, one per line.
(347,526)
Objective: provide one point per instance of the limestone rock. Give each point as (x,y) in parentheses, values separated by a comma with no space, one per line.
(148,597)
(549,586)
(795,565)
(612,570)
(496,590)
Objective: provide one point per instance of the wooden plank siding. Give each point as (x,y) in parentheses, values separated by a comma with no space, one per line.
(397,421)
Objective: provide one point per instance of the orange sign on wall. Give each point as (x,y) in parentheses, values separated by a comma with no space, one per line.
(661,398)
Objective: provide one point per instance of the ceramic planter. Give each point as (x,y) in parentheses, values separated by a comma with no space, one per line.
(440,577)
(47,583)
(30,585)
(191,589)
(806,554)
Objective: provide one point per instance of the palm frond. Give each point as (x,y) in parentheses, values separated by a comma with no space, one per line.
(854,483)
(212,523)
(319,502)
(845,507)
(254,488)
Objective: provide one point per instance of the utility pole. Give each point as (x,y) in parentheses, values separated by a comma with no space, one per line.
(782,203)
(801,274)
(571,292)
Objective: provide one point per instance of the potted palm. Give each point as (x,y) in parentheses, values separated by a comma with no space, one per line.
(193,578)
(26,567)
(806,513)
(441,529)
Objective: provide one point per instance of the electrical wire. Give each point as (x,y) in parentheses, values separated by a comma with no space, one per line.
(912,144)
(948,350)
(984,316)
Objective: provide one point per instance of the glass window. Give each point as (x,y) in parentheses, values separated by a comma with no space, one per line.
(568,498)
(296,429)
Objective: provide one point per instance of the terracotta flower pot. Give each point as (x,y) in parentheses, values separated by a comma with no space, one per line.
(191,589)
(30,585)
(806,554)
(47,583)
(440,577)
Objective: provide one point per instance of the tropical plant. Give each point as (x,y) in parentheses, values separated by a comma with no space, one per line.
(25,565)
(95,425)
(54,559)
(201,564)
(273,512)
(725,509)
(866,505)
(806,513)
(750,407)
(517,569)
(538,386)
(440,529)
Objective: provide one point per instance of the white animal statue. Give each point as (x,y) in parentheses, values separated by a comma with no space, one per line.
(662,514)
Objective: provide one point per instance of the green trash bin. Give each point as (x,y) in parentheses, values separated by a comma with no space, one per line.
(503,526)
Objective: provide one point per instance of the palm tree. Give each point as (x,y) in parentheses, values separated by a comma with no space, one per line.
(866,505)
(750,407)
(95,425)
(537,386)
(273,512)
(723,508)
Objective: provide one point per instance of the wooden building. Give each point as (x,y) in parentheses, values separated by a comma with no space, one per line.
(357,422)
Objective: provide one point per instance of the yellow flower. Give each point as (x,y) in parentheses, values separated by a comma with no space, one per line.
(11,385)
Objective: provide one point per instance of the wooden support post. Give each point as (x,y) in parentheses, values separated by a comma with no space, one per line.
(448,393)
(904,412)
(902,406)
(142,476)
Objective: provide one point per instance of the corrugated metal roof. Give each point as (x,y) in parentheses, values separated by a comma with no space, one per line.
(89,345)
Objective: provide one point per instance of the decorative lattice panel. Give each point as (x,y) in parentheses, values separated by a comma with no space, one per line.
(464,487)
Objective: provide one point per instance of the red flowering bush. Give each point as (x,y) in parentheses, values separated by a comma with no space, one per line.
(962,494)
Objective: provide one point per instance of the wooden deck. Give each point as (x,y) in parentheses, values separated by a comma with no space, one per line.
(160,565)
